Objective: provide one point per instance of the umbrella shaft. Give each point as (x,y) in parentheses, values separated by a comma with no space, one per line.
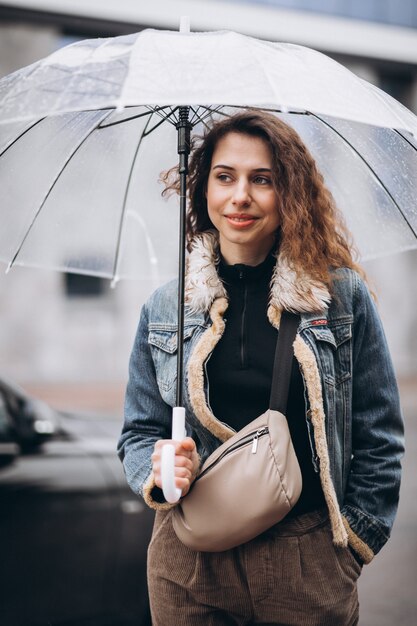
(183,128)
(181,276)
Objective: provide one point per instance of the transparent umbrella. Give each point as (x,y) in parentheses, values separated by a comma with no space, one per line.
(85,132)
(83,139)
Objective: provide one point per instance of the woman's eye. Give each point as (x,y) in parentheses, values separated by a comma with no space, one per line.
(262,180)
(224,178)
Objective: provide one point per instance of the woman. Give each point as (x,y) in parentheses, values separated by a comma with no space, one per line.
(264,236)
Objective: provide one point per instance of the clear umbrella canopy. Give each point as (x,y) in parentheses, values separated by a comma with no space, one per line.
(85,133)
(158,68)
(87,200)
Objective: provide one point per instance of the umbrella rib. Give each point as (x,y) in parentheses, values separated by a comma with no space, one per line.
(123,214)
(26,130)
(208,112)
(410,143)
(195,114)
(148,132)
(52,185)
(384,187)
(133,117)
(172,111)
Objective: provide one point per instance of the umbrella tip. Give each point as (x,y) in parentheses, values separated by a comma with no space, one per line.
(185,24)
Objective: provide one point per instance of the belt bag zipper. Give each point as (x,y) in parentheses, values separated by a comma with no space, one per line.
(252,437)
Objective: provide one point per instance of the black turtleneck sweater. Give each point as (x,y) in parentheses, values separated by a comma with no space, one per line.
(240,369)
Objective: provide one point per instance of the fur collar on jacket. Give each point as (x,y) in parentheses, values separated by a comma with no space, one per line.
(290,290)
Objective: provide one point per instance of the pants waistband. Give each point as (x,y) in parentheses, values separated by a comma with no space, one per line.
(300,524)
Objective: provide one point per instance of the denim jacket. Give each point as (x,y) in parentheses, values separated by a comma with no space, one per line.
(353,412)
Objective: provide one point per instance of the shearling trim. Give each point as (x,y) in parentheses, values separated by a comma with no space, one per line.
(202,283)
(311,375)
(274,316)
(297,291)
(148,487)
(204,347)
(292,290)
(360,547)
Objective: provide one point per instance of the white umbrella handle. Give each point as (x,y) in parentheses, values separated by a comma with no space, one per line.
(171,493)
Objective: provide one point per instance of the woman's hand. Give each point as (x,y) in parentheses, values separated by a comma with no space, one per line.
(186,463)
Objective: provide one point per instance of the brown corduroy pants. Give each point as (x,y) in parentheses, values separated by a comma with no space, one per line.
(291,575)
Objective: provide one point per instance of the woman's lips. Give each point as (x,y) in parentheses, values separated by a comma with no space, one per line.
(241,220)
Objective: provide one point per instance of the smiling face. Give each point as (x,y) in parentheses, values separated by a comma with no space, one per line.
(241,200)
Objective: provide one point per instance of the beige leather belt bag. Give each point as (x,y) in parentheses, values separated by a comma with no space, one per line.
(253,479)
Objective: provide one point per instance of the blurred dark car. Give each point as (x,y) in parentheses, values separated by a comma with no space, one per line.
(73,536)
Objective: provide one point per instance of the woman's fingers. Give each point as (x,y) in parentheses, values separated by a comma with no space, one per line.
(180,459)
(188,444)
(186,462)
(186,447)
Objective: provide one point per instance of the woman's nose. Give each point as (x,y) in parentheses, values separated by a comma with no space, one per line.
(241,194)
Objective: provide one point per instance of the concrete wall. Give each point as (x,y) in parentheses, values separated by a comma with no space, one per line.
(22,44)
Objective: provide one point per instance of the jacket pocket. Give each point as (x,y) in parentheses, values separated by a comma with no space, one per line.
(334,349)
(163,342)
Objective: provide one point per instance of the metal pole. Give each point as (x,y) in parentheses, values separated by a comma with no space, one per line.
(184,132)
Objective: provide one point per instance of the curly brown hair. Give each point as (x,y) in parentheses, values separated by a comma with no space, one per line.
(312,234)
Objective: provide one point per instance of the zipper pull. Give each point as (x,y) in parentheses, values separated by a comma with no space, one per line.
(261,431)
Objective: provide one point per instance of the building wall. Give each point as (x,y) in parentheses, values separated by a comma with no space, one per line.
(22,44)
(399,12)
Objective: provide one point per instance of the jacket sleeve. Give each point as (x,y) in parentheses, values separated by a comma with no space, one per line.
(372,493)
(147,418)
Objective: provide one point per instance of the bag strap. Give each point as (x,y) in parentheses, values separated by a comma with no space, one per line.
(283,361)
